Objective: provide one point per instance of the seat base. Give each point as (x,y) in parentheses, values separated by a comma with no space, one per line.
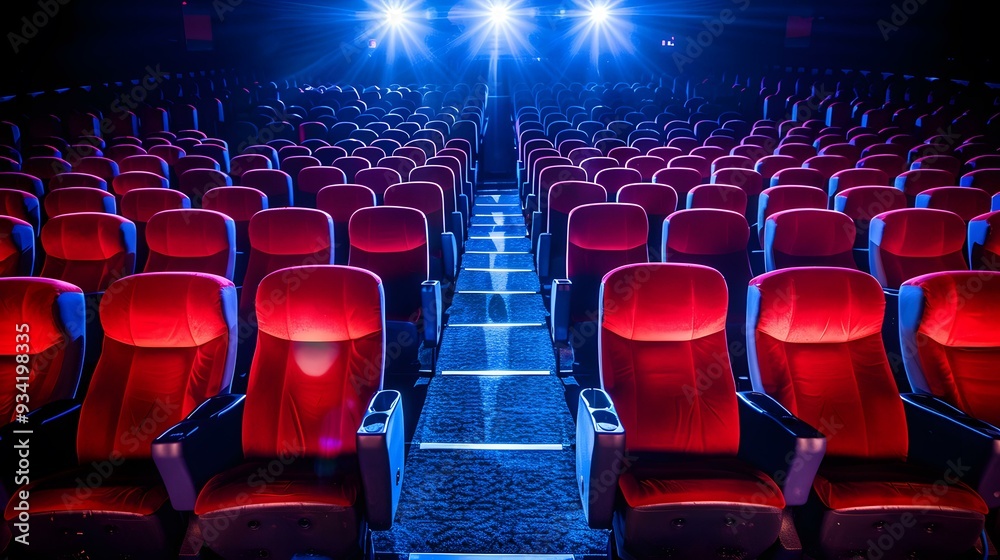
(899,534)
(283,531)
(71,535)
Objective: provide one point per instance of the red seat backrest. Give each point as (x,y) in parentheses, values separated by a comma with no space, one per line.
(191,240)
(913,241)
(88,249)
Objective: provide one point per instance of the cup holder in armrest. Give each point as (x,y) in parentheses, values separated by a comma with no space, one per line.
(375,422)
(596,399)
(605,420)
(384,401)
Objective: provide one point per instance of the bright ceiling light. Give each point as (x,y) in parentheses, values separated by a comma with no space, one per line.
(499,14)
(394,16)
(599,14)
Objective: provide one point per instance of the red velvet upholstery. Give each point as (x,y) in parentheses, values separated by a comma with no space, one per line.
(721,196)
(144,162)
(56,317)
(799,176)
(828,165)
(647,166)
(915,182)
(653,344)
(873,484)
(122,151)
(378,179)
(659,201)
(90,250)
(614,178)
(312,179)
(138,180)
(862,204)
(441,176)
(391,242)
(341,202)
(240,204)
(21,205)
(787,197)
(913,241)
(186,317)
(967,202)
(622,154)
(943,162)
(350,165)
(247,162)
(191,241)
(682,179)
(714,238)
(950,333)
(296,483)
(102,167)
(561,202)
(600,238)
(817,348)
(17,247)
(986,179)
(595,165)
(22,182)
(275,183)
(189,162)
(72,200)
(65,180)
(662,327)
(698,163)
(850,178)
(732,162)
(196,182)
(984,242)
(280,238)
(801,152)
(370,153)
(767,166)
(429,200)
(400,164)
(809,237)
(890,164)
(553,175)
(415,154)
(45,167)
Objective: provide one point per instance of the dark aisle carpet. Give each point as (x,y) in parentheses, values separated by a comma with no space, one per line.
(477,501)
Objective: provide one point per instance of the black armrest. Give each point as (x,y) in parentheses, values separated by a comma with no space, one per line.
(51,441)
(543,252)
(381,453)
(431,310)
(600,456)
(943,437)
(204,444)
(786,448)
(449,248)
(559,311)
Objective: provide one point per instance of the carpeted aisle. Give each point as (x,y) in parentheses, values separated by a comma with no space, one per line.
(468,488)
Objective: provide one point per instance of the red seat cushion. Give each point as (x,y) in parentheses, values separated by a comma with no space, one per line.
(856,484)
(703,480)
(297,483)
(131,488)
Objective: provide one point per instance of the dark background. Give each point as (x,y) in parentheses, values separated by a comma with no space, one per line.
(91,40)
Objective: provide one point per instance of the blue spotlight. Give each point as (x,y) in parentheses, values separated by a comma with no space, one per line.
(499,14)
(394,16)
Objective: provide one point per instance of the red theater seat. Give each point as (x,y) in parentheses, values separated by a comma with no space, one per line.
(715,238)
(986,179)
(808,237)
(22,182)
(787,197)
(862,204)
(138,180)
(724,197)
(90,250)
(850,178)
(279,238)
(341,202)
(600,238)
(351,165)
(189,162)
(828,165)
(240,204)
(312,179)
(151,164)
(595,165)
(191,240)
(196,182)
(910,242)
(17,248)
(314,395)
(984,242)
(551,245)
(915,182)
(429,200)
(826,364)
(247,162)
(146,380)
(102,167)
(967,202)
(681,179)
(378,179)
(71,200)
(400,164)
(693,491)
(21,205)
(890,164)
(799,176)
(274,183)
(659,201)
(65,180)
(392,242)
